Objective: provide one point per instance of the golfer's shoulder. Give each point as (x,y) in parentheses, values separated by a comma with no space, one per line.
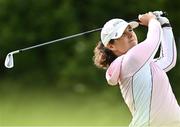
(118,60)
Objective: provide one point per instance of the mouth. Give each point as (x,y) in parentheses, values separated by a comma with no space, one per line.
(132,41)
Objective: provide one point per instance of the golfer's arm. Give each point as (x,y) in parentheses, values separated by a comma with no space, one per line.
(144,52)
(168,56)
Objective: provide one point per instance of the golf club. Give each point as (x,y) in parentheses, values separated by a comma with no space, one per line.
(9,61)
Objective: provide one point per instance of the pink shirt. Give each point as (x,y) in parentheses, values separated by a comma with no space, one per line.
(143,81)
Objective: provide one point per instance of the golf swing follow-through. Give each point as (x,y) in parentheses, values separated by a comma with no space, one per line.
(9,61)
(141,78)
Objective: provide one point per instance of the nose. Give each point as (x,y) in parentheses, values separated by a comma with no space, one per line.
(129,34)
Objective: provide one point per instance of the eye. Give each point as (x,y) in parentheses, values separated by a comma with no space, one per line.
(130,29)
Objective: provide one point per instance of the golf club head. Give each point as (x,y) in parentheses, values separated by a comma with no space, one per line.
(9,61)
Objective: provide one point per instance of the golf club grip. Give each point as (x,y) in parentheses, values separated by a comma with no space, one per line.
(164,14)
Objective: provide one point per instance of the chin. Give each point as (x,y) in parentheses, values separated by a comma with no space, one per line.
(134,44)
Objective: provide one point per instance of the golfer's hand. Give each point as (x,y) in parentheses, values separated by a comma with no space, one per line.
(160,18)
(163,20)
(145,18)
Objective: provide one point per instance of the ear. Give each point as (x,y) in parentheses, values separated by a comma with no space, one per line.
(111,47)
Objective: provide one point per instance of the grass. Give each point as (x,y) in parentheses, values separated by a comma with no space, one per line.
(53,108)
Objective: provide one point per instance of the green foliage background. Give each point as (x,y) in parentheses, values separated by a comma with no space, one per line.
(55,75)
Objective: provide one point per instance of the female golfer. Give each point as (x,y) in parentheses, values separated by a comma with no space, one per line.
(142,78)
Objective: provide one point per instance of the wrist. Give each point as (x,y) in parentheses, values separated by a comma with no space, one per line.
(166,25)
(153,20)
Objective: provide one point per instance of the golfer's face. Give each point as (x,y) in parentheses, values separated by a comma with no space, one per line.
(126,41)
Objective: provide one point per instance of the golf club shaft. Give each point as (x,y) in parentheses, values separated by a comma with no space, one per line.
(61,39)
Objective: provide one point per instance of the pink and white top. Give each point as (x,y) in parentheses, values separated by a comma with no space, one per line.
(143,81)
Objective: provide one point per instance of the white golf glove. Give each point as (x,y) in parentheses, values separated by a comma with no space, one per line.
(161,19)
